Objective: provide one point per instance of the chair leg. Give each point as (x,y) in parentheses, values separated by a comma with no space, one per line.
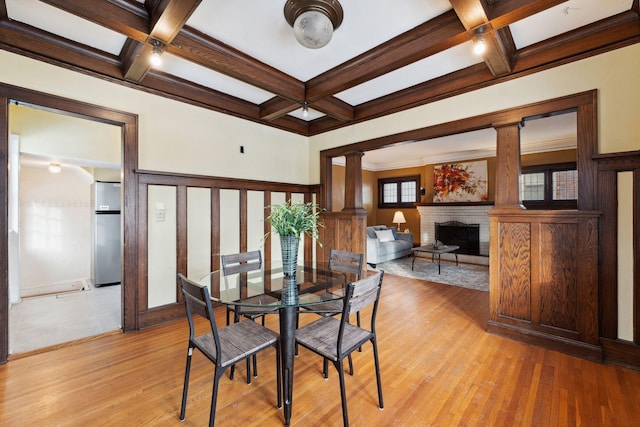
(325,368)
(350,365)
(185,387)
(248,359)
(255,366)
(358,321)
(377,365)
(214,394)
(343,392)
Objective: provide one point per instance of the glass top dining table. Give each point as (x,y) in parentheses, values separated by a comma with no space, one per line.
(312,286)
(315,288)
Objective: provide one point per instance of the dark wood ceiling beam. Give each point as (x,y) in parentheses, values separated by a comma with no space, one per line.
(276,107)
(200,95)
(167,19)
(506,12)
(133,21)
(3,11)
(184,91)
(129,19)
(589,40)
(425,40)
(335,108)
(169,16)
(593,39)
(197,47)
(499,44)
(30,41)
(331,106)
(434,36)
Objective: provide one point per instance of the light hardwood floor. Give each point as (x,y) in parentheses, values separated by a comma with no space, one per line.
(439,368)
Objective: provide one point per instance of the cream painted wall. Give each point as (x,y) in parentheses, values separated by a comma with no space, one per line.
(625,256)
(162,245)
(174,136)
(198,232)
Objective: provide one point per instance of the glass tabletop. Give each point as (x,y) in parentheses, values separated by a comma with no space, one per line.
(311,286)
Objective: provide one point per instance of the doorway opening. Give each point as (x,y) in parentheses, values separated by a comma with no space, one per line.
(56,162)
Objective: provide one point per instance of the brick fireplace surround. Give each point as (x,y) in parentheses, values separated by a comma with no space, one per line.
(468,214)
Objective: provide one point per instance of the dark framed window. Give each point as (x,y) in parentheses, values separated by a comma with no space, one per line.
(398,192)
(552,186)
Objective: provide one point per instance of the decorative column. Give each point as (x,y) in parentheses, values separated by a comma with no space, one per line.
(508,163)
(346,230)
(353,182)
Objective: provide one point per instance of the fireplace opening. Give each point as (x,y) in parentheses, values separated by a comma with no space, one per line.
(467,236)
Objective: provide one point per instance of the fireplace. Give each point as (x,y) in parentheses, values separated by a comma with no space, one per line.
(467,236)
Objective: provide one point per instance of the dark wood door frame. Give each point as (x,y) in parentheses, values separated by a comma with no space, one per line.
(129,124)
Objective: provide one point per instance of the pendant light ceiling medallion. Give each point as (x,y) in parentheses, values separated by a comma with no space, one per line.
(313,21)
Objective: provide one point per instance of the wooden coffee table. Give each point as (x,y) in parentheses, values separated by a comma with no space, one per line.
(429,249)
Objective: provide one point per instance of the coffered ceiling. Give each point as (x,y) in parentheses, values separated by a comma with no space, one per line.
(240,57)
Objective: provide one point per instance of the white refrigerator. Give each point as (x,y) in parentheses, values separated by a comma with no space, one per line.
(107,239)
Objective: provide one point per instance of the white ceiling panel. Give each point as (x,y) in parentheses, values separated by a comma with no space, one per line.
(55,21)
(259,29)
(437,65)
(562,18)
(203,76)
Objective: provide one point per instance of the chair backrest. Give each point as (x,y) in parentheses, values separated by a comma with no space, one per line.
(198,301)
(346,262)
(362,293)
(241,262)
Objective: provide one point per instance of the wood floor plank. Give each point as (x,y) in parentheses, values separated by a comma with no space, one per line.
(439,368)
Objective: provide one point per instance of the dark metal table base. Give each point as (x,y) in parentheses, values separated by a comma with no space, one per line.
(433,254)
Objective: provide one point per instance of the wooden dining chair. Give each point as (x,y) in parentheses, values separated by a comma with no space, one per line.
(335,339)
(225,346)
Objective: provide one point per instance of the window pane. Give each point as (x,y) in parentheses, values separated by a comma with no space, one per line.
(532,186)
(390,193)
(408,192)
(565,185)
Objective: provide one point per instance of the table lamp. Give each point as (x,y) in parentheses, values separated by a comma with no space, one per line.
(398,218)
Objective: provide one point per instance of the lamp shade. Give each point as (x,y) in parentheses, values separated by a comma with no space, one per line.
(398,218)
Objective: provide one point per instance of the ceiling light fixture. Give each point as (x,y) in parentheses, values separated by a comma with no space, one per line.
(156,58)
(55,167)
(480,46)
(305,109)
(313,21)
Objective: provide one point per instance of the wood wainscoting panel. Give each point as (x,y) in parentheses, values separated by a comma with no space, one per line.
(514,270)
(544,279)
(345,231)
(558,275)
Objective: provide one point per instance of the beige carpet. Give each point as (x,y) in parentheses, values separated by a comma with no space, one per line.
(466,275)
